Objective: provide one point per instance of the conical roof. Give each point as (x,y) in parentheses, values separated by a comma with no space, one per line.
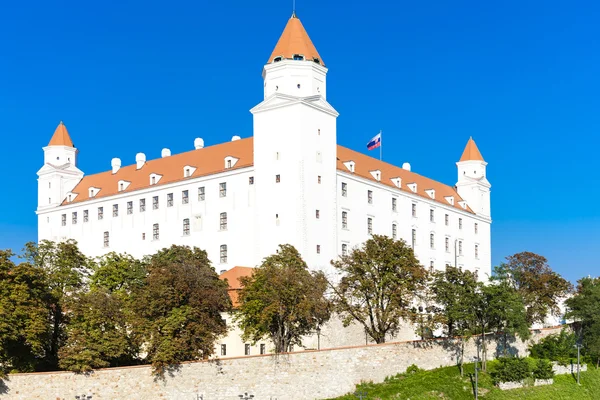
(295,41)
(471,152)
(61,137)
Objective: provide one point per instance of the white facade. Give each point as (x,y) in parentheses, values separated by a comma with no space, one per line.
(293,192)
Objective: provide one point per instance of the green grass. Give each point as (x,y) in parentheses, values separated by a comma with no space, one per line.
(446,383)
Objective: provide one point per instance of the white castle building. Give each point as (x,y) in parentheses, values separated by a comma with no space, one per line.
(289,183)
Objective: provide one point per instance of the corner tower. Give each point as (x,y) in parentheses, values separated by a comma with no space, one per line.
(60,174)
(472,184)
(295,153)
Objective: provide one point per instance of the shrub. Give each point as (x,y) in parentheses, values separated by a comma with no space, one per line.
(543,370)
(511,369)
(413,369)
(555,347)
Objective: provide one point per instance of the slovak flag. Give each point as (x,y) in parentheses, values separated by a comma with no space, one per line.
(375,142)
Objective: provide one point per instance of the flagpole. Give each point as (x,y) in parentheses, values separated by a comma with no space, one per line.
(381,145)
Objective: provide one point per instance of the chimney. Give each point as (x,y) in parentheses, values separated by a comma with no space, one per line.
(140,160)
(406,166)
(115,163)
(165,153)
(198,143)
(236,137)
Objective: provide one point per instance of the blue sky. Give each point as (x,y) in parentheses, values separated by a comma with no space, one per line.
(521,77)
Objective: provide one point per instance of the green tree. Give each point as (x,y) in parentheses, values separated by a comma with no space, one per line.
(178,310)
(379,285)
(540,287)
(24,315)
(65,268)
(99,332)
(499,309)
(454,293)
(584,307)
(282,300)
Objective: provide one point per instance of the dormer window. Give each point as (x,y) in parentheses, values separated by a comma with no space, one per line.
(230,162)
(298,57)
(154,179)
(277,59)
(188,171)
(93,191)
(350,165)
(123,185)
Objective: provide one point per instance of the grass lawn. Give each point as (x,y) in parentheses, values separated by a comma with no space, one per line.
(446,383)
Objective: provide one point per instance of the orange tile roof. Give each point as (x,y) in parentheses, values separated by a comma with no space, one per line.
(295,40)
(233,276)
(207,161)
(471,152)
(365,164)
(210,160)
(61,136)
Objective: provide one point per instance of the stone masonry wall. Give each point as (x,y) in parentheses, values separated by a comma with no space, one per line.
(302,375)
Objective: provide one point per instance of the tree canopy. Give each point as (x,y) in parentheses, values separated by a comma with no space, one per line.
(379,284)
(282,300)
(584,307)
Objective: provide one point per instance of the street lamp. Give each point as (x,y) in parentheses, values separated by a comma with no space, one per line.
(579,346)
(318,337)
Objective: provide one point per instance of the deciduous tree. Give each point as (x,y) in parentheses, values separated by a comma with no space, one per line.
(24,315)
(178,310)
(584,307)
(282,300)
(379,285)
(539,286)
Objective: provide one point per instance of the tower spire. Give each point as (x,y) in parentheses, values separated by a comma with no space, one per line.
(295,44)
(471,152)
(61,137)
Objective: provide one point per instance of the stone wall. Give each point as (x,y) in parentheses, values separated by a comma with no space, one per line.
(302,375)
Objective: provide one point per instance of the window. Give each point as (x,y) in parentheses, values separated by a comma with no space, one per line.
(143,236)
(344,249)
(370,196)
(317,214)
(277,178)
(106,239)
(185,197)
(142,205)
(344,189)
(394,231)
(251,180)
(318,249)
(446,220)
(115,210)
(228,163)
(169,199)
(432,215)
(476,228)
(432,241)
(247,349)
(447,245)
(223,254)
(186,227)
(121,187)
(370,226)
(187,172)
(129,207)
(153,180)
(394,206)
(319,179)
(223,221)
(262,348)
(460,247)
(86,216)
(155,232)
(64,220)
(155,203)
(223,189)
(430,266)
(344,219)
(74,218)
(201,195)
(414,238)
(414,210)
(476,251)
(100,213)
(460,223)
(223,349)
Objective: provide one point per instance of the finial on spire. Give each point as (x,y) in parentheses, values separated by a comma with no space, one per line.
(293,8)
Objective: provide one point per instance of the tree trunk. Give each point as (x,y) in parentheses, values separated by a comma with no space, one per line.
(462,356)
(483,353)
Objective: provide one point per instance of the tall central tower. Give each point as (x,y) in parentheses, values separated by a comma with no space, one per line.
(295,153)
